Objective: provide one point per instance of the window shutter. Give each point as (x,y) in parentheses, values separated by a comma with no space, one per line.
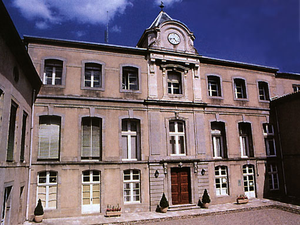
(86,138)
(95,137)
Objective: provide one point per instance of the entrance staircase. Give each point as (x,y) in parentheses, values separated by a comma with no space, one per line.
(182,207)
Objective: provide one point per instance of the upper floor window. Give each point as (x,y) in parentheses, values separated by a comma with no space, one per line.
(130,78)
(221,180)
(11,132)
(273,177)
(131,139)
(91,138)
(49,137)
(47,189)
(174,83)
(218,139)
(23,137)
(177,137)
(93,75)
(239,88)
(214,86)
(246,143)
(269,139)
(263,89)
(53,71)
(132,187)
(296,87)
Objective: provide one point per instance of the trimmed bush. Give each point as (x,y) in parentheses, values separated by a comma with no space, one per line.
(164,202)
(205,197)
(39,209)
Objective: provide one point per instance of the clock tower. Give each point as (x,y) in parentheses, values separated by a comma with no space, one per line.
(166,33)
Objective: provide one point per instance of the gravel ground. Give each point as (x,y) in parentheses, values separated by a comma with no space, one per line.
(253,217)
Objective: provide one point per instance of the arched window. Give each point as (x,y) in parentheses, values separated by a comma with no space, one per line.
(263,91)
(47,189)
(132,187)
(240,88)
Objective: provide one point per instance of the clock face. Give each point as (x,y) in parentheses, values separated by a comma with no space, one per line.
(174,38)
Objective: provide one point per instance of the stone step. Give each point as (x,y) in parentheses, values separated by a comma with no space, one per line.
(183,207)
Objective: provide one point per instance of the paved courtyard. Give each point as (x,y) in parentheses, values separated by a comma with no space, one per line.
(252,217)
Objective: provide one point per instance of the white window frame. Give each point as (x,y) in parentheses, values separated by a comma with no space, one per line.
(273,176)
(129,133)
(129,73)
(218,136)
(221,175)
(296,87)
(240,91)
(245,140)
(93,67)
(269,136)
(171,83)
(214,86)
(90,208)
(131,181)
(47,184)
(263,91)
(176,134)
(54,68)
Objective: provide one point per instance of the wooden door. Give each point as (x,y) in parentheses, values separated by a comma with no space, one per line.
(180,185)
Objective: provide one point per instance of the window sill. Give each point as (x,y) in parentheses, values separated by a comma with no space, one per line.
(216,97)
(242,99)
(53,86)
(130,91)
(92,88)
(131,203)
(129,160)
(177,154)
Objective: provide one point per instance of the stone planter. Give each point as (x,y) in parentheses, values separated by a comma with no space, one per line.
(38,219)
(164,210)
(112,213)
(242,201)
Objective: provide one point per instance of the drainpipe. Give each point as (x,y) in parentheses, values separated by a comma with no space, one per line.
(281,154)
(30,154)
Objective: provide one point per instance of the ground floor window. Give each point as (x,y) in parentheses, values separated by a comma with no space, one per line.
(6,212)
(273,177)
(47,189)
(132,190)
(249,181)
(221,180)
(90,191)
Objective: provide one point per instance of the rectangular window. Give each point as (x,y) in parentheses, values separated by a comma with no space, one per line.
(269,139)
(174,83)
(221,180)
(296,87)
(177,137)
(240,88)
(273,177)
(53,72)
(130,79)
(47,189)
(23,138)
(263,88)
(218,139)
(214,88)
(130,139)
(11,132)
(246,144)
(90,191)
(49,137)
(132,189)
(92,75)
(91,138)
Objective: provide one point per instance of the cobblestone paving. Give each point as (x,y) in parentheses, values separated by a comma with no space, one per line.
(253,217)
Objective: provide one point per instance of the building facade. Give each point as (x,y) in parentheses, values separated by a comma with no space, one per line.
(19,84)
(121,126)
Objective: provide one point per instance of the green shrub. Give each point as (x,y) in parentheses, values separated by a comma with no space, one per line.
(164,202)
(205,197)
(39,209)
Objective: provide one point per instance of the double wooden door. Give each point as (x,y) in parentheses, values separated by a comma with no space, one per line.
(180,185)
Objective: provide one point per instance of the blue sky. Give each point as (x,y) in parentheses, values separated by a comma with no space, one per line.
(264,32)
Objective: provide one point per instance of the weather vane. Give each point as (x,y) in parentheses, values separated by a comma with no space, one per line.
(162,5)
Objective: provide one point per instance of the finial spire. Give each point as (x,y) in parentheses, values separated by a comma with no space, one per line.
(162,6)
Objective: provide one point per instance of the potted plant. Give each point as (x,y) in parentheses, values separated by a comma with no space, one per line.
(242,199)
(113,211)
(38,212)
(163,204)
(205,199)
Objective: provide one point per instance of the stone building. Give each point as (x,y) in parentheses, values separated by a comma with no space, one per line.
(19,83)
(123,125)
